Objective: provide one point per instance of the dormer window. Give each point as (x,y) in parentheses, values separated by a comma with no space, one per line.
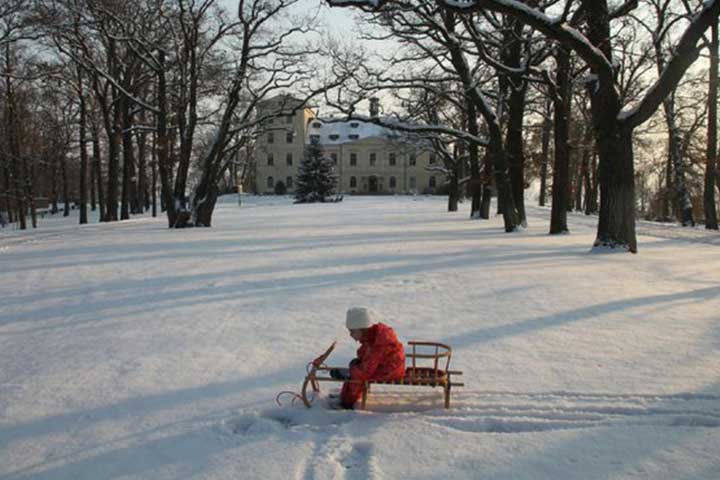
(354,124)
(317,125)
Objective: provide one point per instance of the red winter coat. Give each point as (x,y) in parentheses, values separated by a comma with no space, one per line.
(381,356)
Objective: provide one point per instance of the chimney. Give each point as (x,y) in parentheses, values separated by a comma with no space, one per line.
(374,107)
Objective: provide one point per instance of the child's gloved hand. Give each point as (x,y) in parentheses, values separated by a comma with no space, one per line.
(340,373)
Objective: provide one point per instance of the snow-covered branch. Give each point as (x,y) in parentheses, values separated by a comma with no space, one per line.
(685,53)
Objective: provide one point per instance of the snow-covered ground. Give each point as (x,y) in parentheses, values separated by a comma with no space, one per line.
(128,350)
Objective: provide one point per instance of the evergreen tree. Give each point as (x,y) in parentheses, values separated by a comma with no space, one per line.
(316,181)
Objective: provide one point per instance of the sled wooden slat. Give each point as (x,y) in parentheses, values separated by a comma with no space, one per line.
(422,376)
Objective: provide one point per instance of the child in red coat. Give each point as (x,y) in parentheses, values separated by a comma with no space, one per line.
(380,357)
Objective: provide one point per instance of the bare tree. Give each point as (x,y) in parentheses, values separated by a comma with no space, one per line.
(270,60)
(441,49)
(711,221)
(562,98)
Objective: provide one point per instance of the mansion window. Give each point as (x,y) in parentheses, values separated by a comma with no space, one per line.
(431,182)
(373,159)
(392,159)
(353,159)
(413,159)
(288,159)
(334,136)
(354,125)
(353,136)
(317,124)
(353,182)
(270,159)
(271,137)
(289,137)
(314,139)
(270,182)
(392,182)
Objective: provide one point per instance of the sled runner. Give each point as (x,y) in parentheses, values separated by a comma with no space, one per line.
(430,374)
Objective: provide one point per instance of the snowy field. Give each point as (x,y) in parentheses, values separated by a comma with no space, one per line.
(131,351)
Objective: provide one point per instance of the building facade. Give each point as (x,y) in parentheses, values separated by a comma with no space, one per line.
(367,158)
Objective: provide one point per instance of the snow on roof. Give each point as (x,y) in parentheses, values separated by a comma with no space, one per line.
(333,132)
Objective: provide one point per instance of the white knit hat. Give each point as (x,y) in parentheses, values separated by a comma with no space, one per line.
(361,317)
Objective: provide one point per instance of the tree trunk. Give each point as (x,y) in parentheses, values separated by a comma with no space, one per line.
(54,181)
(487,188)
(8,192)
(128,160)
(153,166)
(473,154)
(593,208)
(187,116)
(561,173)
(113,129)
(13,142)
(616,225)
(454,168)
(204,207)
(588,153)
(545,152)
(65,186)
(29,191)
(516,113)
(667,193)
(711,221)
(616,222)
(580,182)
(97,169)
(83,151)
(142,197)
(92,182)
(162,145)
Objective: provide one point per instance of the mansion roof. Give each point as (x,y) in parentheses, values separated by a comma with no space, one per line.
(331,131)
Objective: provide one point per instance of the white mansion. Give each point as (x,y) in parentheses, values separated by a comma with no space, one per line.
(367,158)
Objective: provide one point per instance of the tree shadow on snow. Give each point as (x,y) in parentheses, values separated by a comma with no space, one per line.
(488,334)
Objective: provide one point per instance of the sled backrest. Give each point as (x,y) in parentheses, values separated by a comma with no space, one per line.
(428,355)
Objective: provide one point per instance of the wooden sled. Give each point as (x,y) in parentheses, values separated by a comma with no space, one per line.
(430,374)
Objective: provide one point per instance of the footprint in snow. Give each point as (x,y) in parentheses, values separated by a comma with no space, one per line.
(359,463)
(256,425)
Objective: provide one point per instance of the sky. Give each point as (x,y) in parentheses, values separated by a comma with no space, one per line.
(338,20)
